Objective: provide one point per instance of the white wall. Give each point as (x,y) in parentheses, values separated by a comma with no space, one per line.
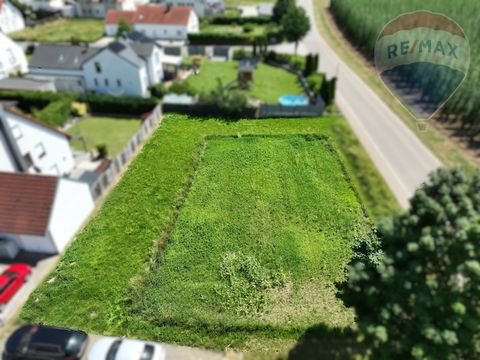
(11,19)
(12,57)
(123,79)
(72,206)
(111,29)
(58,157)
(163,32)
(193,25)
(6,161)
(49,5)
(155,66)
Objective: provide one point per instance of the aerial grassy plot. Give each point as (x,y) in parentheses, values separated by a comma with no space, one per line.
(62,30)
(220,235)
(269,83)
(114,133)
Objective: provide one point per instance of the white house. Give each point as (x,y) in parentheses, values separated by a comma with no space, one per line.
(62,64)
(31,146)
(128,77)
(156,21)
(12,57)
(99,8)
(202,7)
(40,213)
(11,19)
(265,9)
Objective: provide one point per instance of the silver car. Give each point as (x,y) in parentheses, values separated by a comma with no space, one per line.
(111,348)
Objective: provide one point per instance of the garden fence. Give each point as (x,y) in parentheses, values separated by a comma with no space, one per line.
(119,163)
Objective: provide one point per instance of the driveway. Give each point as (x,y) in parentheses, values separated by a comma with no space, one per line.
(41,266)
(399,155)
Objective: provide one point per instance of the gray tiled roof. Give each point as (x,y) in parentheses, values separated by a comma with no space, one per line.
(126,52)
(63,57)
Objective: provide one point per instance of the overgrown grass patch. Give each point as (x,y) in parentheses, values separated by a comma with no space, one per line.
(271,193)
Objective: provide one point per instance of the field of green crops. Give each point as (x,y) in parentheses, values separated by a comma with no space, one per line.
(220,234)
(362,21)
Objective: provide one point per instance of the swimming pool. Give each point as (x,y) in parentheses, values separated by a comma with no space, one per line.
(293,100)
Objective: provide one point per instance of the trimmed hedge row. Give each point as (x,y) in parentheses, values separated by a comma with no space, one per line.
(230,20)
(274,36)
(55,108)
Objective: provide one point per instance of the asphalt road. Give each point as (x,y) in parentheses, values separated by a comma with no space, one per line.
(399,155)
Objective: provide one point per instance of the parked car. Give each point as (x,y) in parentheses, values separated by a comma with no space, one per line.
(11,281)
(110,348)
(40,342)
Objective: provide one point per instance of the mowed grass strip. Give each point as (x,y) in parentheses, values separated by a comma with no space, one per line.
(62,31)
(115,133)
(269,82)
(91,288)
(284,201)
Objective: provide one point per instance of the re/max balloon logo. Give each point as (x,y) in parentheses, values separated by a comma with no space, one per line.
(422,58)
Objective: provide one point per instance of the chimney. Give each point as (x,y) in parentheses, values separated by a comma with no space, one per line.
(168,7)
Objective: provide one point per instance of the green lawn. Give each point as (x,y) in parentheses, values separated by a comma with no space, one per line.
(63,30)
(269,83)
(115,133)
(199,190)
(234,29)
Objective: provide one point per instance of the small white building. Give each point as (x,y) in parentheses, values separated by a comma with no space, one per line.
(99,8)
(156,21)
(61,64)
(202,7)
(40,213)
(265,9)
(12,57)
(31,146)
(11,19)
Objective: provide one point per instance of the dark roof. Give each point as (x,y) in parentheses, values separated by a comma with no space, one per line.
(137,36)
(26,202)
(24,84)
(126,52)
(63,57)
(15,111)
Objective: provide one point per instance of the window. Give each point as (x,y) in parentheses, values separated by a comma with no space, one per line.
(28,160)
(98,68)
(16,132)
(7,285)
(119,83)
(148,352)
(95,81)
(40,150)
(107,83)
(79,82)
(179,32)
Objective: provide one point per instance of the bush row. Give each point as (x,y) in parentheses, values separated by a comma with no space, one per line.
(55,108)
(273,36)
(230,20)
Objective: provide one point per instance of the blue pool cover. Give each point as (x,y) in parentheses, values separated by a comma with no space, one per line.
(293,100)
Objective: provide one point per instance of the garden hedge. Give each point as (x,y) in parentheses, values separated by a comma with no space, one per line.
(230,20)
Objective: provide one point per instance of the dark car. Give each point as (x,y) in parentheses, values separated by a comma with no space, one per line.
(39,342)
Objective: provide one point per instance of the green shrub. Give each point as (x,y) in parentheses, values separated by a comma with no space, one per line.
(102,150)
(132,106)
(248,28)
(158,90)
(315,82)
(181,87)
(240,54)
(56,113)
(231,20)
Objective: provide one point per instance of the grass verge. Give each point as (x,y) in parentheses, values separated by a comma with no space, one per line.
(96,285)
(444,148)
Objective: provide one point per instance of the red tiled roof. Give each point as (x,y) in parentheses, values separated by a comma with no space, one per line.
(151,14)
(26,202)
(1,5)
(114,16)
(17,112)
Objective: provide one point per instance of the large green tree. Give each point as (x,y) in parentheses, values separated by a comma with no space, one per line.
(419,297)
(281,8)
(295,25)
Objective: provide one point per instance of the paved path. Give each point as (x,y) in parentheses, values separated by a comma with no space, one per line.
(399,155)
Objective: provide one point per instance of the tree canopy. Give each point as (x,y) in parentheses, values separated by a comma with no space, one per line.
(419,296)
(281,8)
(295,25)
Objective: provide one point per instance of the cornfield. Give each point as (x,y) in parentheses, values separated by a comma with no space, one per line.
(363,20)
